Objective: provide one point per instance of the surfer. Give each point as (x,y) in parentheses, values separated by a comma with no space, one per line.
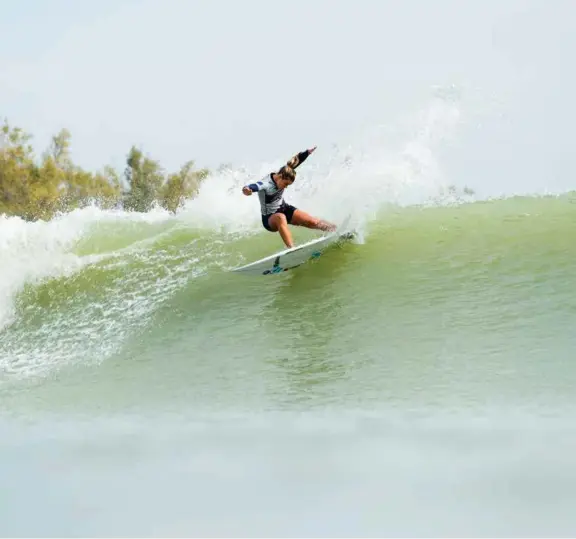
(276,213)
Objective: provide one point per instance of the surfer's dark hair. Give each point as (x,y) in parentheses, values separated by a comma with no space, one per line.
(288,173)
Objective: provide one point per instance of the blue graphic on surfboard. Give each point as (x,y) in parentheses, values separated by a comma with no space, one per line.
(292,258)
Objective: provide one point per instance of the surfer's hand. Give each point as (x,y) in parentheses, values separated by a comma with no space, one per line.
(310,150)
(246,190)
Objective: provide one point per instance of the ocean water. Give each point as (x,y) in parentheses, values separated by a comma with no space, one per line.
(416,381)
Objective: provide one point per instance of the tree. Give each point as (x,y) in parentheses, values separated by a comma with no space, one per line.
(182,185)
(144,178)
(16,169)
(60,149)
(46,190)
(39,190)
(107,186)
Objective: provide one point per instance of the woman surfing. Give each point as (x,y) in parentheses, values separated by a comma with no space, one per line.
(276,213)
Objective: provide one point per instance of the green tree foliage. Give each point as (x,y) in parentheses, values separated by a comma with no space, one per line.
(144,178)
(17,170)
(39,189)
(183,185)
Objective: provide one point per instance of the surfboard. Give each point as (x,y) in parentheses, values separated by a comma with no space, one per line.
(292,258)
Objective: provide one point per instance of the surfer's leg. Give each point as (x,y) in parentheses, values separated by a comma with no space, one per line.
(300,218)
(279,223)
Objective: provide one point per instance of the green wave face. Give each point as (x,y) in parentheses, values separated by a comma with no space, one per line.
(429,300)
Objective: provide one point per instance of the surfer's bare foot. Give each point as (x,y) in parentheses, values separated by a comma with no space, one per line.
(328,226)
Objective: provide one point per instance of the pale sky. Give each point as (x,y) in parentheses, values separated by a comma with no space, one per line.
(252,81)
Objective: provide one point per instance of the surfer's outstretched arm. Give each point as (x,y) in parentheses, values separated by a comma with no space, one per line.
(299,158)
(252,188)
(294,162)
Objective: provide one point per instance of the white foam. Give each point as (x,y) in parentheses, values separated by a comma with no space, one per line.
(352,179)
(33,251)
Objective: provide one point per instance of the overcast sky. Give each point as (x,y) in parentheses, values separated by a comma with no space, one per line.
(250,81)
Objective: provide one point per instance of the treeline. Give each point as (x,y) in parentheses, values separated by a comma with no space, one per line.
(35,188)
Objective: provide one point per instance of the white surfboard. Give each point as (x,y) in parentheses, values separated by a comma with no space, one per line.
(292,258)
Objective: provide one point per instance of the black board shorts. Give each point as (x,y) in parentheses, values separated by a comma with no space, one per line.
(287,209)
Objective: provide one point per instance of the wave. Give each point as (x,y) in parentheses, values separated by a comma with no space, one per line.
(78,288)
